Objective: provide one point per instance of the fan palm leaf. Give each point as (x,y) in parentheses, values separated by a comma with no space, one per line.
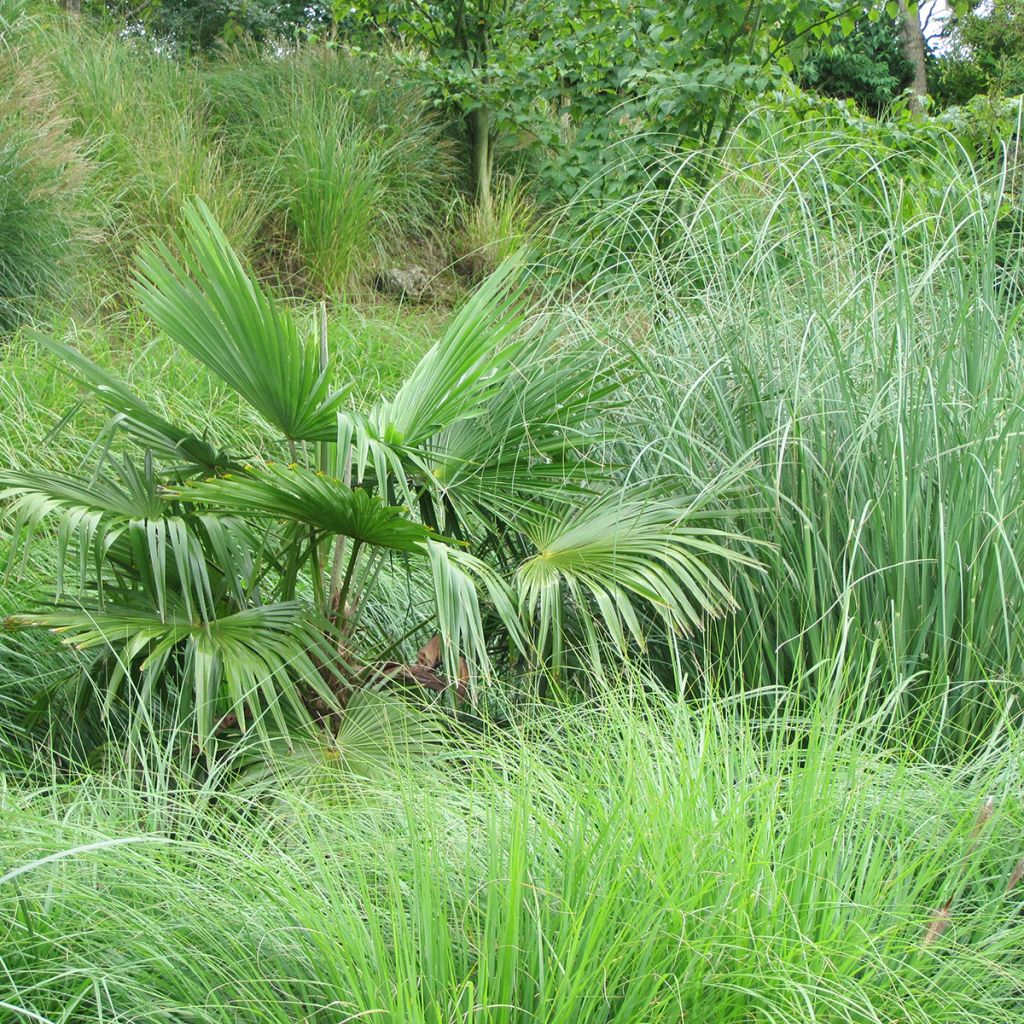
(209,305)
(619,554)
(466,366)
(313,499)
(111,521)
(135,417)
(250,664)
(542,436)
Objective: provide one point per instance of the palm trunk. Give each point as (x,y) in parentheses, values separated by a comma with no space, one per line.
(913,47)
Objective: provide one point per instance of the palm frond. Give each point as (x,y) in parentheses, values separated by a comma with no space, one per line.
(313,499)
(111,522)
(135,417)
(542,436)
(209,305)
(459,579)
(251,664)
(132,496)
(618,554)
(379,733)
(466,366)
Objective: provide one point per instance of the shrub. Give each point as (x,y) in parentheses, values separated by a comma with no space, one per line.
(237,592)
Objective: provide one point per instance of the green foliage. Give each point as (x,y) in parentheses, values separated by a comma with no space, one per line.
(483,238)
(622,864)
(241,597)
(547,68)
(984,52)
(313,163)
(354,168)
(144,120)
(703,523)
(209,306)
(189,26)
(868,65)
(303,496)
(618,550)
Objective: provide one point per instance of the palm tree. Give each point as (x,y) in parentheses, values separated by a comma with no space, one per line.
(480,506)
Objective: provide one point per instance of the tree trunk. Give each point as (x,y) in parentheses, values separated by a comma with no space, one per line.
(479,132)
(74,6)
(913,48)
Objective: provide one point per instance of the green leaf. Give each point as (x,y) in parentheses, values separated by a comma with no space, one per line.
(209,305)
(134,416)
(462,370)
(459,578)
(110,523)
(250,664)
(313,499)
(535,438)
(617,553)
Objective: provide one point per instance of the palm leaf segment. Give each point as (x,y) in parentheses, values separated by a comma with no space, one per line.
(209,305)
(137,419)
(615,553)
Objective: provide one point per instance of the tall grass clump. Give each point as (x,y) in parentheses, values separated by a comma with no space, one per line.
(313,161)
(706,867)
(847,332)
(485,235)
(356,169)
(41,174)
(145,123)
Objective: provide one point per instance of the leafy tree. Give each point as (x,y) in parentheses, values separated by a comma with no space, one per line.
(537,65)
(479,504)
(984,51)
(868,66)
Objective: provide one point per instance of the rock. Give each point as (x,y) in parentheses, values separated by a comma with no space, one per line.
(405,282)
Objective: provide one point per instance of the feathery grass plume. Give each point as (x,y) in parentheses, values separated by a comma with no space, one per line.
(937,924)
(1015,876)
(850,336)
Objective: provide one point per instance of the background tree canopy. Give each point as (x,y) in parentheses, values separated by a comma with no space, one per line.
(201,25)
(868,66)
(983,52)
